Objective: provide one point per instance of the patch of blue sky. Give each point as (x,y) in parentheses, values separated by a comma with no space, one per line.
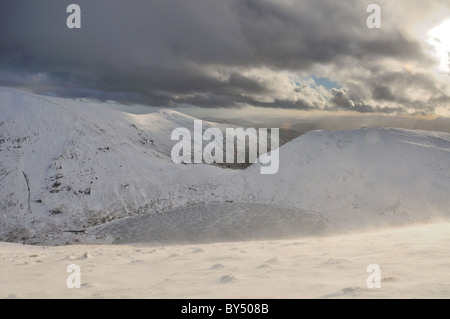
(321,81)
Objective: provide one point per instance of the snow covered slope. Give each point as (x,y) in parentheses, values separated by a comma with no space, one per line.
(361,178)
(70,169)
(414,263)
(68,165)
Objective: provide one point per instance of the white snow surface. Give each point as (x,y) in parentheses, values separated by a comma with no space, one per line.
(76,172)
(414,263)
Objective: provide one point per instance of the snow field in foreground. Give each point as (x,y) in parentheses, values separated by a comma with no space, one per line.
(414,263)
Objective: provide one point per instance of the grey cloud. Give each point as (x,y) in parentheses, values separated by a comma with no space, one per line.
(167,52)
(382,93)
(341,99)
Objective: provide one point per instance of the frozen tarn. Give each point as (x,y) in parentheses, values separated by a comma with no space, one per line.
(212,223)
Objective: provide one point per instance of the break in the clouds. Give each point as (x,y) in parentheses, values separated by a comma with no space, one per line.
(229,53)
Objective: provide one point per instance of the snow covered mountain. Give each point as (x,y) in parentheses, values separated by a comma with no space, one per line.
(328,183)
(361,178)
(69,170)
(67,165)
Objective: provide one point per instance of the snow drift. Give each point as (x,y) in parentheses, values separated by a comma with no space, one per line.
(71,171)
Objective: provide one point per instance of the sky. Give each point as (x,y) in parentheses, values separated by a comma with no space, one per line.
(232,54)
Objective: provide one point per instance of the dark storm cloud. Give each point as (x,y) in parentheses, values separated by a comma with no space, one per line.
(389,91)
(203,52)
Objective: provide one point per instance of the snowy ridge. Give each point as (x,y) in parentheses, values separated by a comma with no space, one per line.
(365,177)
(85,165)
(70,169)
